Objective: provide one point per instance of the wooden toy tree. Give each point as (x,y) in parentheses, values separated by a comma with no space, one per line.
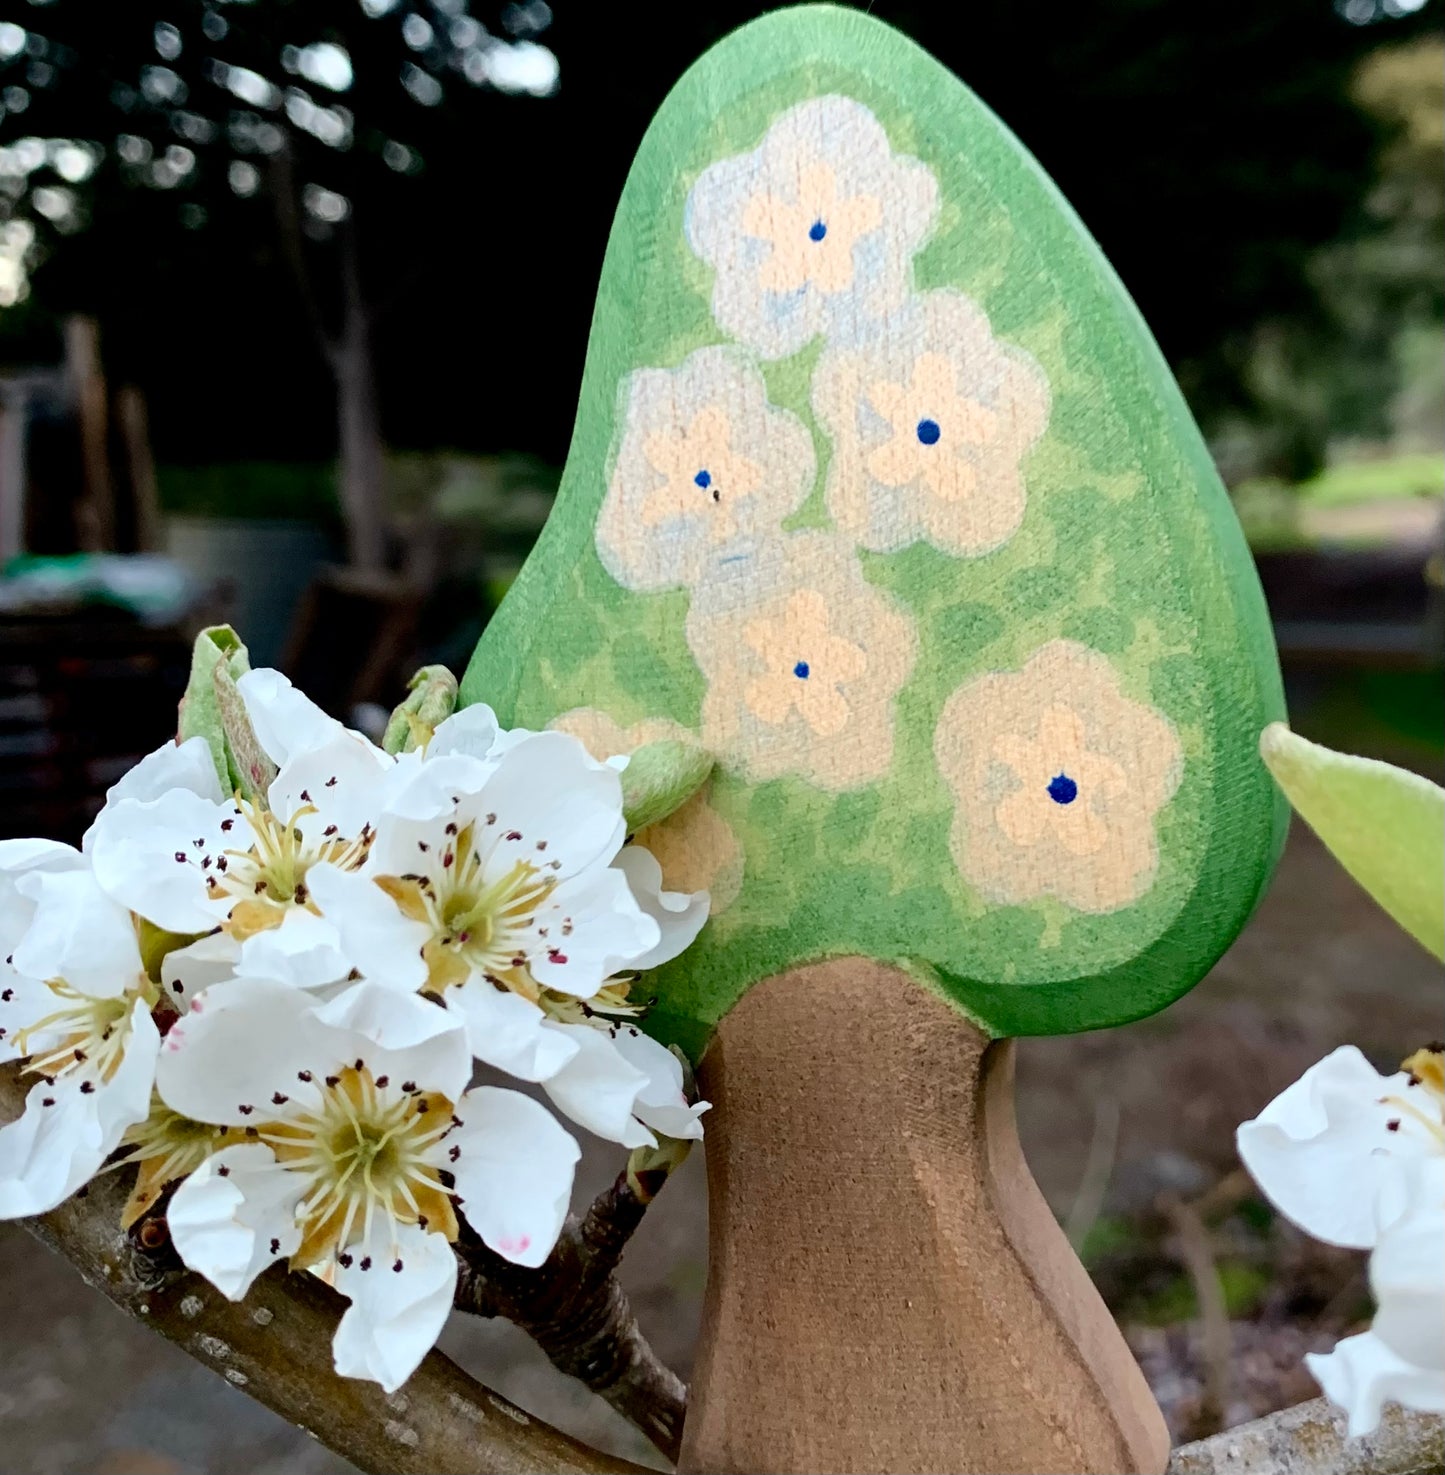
(881,494)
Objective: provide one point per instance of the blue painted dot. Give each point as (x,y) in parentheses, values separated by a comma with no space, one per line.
(801,670)
(703,479)
(817,231)
(928,432)
(1062,789)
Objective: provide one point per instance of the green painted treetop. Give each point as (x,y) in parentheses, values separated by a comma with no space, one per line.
(881,492)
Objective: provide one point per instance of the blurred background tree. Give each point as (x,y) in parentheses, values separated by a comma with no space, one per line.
(1265,179)
(177,159)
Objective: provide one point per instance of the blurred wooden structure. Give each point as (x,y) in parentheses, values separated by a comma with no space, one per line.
(83,696)
(76,470)
(352,636)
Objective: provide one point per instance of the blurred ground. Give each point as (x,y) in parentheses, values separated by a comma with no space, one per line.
(88,1390)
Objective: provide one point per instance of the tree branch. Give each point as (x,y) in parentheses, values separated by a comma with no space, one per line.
(575,1309)
(1310,1439)
(277,1346)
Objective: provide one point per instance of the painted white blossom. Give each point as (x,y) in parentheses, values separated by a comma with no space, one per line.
(75,1006)
(1358,1159)
(813,230)
(705,463)
(361,1142)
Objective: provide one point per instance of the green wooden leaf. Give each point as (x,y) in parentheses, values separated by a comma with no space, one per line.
(1385,825)
(217,647)
(881,493)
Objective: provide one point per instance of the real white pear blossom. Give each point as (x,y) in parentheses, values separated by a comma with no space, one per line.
(358,1142)
(1358,1159)
(267,1004)
(502,887)
(75,1007)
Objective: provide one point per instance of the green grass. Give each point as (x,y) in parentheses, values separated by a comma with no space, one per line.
(1370,481)
(1278,517)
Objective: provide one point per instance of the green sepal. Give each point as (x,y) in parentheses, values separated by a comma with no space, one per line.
(156,944)
(648,1168)
(433,699)
(660,778)
(216,648)
(250,765)
(1385,825)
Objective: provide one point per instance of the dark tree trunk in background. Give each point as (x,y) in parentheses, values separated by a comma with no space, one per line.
(361,474)
(361,468)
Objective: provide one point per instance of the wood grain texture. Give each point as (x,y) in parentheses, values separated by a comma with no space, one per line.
(887,1289)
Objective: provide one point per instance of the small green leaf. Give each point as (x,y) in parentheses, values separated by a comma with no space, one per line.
(433,699)
(1385,825)
(660,778)
(200,715)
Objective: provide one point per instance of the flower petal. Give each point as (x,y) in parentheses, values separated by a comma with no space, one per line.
(1320,1148)
(594,927)
(1362,1375)
(208,960)
(236,1215)
(473,731)
(239,1043)
(661,1103)
(398,1305)
(244,1041)
(1407,1270)
(679,915)
(513,1173)
(21,858)
(51,1151)
(286,721)
(598,1088)
(188,765)
(402,1035)
(304,951)
(341,782)
(148,856)
(78,933)
(374,935)
(549,790)
(508,1032)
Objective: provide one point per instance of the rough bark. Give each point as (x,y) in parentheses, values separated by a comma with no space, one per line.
(575,1309)
(276,1345)
(1310,1439)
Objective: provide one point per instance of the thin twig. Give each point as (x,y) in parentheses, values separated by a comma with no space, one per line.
(1098,1169)
(575,1309)
(1196,1254)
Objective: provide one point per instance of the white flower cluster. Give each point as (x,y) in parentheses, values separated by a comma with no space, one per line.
(278,1001)
(1358,1159)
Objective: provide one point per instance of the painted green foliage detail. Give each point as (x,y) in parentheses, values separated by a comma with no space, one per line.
(1127,546)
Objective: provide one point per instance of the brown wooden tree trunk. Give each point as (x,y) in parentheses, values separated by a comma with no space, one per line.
(887,1289)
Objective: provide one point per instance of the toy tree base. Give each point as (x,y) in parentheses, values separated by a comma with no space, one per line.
(887,1289)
